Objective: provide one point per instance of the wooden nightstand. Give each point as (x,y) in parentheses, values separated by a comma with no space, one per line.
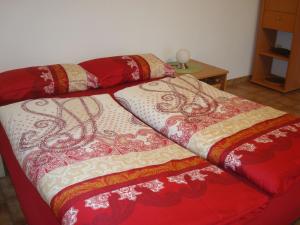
(210,74)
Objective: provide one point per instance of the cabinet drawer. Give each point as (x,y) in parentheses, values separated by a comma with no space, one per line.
(279,21)
(287,6)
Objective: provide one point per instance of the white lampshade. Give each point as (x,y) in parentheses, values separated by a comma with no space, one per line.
(183,55)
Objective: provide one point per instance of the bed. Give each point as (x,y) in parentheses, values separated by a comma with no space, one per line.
(183,189)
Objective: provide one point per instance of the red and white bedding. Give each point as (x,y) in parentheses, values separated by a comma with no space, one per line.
(94,163)
(255,141)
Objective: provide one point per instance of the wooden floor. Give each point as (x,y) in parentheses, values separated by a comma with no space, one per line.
(10,213)
(289,102)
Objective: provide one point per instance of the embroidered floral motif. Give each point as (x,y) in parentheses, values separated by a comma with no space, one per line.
(130,193)
(133,65)
(154,185)
(127,193)
(263,139)
(196,175)
(213,169)
(246,147)
(101,201)
(92,80)
(232,161)
(178,130)
(70,217)
(179,179)
(98,201)
(290,128)
(47,75)
(297,125)
(50,88)
(277,133)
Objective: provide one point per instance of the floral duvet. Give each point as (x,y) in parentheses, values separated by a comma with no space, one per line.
(252,140)
(95,163)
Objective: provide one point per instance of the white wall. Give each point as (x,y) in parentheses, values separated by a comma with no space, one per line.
(37,32)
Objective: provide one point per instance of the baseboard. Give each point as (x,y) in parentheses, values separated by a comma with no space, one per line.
(238,80)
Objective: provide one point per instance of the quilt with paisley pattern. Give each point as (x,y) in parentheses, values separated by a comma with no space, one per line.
(95,163)
(250,139)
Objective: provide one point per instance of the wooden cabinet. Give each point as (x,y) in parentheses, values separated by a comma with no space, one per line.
(275,16)
(279,21)
(286,6)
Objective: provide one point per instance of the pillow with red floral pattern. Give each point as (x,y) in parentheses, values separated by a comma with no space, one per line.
(44,81)
(116,70)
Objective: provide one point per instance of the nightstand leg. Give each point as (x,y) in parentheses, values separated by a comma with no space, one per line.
(223,82)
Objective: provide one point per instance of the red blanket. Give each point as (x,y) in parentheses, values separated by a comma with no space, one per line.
(252,140)
(94,163)
(196,193)
(267,153)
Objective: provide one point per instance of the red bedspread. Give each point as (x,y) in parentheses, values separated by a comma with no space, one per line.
(252,140)
(94,163)
(267,153)
(193,195)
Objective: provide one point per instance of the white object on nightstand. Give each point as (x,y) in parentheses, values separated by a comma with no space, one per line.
(183,56)
(2,171)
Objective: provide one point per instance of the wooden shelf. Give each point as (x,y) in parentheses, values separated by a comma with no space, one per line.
(275,16)
(274,55)
(269,84)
